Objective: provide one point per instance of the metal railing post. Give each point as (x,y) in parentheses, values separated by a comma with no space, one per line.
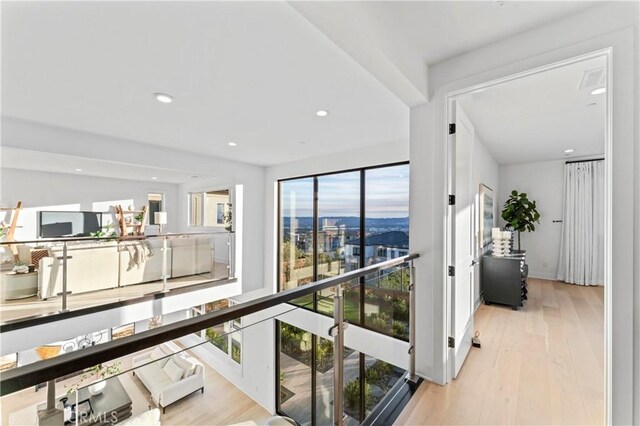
(230,271)
(337,331)
(212,257)
(412,323)
(64,277)
(164,264)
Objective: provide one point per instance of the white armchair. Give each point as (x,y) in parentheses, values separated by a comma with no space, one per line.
(167,388)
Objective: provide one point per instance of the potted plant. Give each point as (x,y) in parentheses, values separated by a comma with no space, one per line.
(227,217)
(520,213)
(20,267)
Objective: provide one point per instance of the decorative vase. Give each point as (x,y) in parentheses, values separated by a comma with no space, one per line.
(97,388)
(21,269)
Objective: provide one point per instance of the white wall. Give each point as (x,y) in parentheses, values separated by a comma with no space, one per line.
(543,182)
(44,138)
(609,25)
(63,191)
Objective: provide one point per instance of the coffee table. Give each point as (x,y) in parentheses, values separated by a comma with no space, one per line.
(112,405)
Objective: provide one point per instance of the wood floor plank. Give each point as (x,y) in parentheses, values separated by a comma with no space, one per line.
(538,365)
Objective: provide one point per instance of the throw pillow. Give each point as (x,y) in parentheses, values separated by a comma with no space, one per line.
(173,371)
(158,354)
(187,366)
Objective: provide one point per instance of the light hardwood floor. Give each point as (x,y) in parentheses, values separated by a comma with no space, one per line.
(542,365)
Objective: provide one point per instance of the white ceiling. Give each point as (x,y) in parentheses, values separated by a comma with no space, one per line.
(16,158)
(440,30)
(537,117)
(249,72)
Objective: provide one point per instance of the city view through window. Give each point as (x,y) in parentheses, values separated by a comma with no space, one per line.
(331,224)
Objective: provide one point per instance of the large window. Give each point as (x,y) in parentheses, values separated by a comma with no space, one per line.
(296,233)
(155,205)
(334,223)
(386,222)
(210,208)
(305,379)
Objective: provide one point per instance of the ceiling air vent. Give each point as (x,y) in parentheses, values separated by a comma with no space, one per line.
(592,78)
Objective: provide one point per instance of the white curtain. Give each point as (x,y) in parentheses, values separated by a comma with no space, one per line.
(582,247)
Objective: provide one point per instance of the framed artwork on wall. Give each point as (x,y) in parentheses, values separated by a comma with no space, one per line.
(486,216)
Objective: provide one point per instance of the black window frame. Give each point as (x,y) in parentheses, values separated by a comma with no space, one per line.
(362,248)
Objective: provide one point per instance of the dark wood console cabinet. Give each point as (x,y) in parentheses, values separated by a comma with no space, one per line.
(504,279)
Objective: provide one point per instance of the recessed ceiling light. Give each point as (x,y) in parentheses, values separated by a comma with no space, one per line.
(194,177)
(232,144)
(568,151)
(592,104)
(78,170)
(322,113)
(154,178)
(599,91)
(302,142)
(164,98)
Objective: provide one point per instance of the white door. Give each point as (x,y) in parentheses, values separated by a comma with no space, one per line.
(462,232)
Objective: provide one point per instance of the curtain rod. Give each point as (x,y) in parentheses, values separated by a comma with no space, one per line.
(584,161)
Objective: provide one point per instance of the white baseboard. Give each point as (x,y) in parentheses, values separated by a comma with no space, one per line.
(477,304)
(542,275)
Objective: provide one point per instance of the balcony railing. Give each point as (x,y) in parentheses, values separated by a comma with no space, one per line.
(64,274)
(235,331)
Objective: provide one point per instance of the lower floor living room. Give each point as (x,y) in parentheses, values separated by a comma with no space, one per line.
(541,364)
(220,402)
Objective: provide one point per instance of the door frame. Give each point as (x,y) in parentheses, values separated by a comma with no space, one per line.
(449,246)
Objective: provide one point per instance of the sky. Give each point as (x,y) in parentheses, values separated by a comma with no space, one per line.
(387,194)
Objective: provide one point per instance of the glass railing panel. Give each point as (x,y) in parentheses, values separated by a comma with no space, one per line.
(98,271)
(182,377)
(387,301)
(74,343)
(228,361)
(351,294)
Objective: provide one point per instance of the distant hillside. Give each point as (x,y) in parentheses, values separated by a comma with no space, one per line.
(354,222)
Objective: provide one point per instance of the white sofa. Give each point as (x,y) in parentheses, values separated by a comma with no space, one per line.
(190,256)
(102,265)
(148,418)
(90,267)
(149,270)
(152,369)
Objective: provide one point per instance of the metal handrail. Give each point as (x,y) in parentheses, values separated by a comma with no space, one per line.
(32,374)
(115,237)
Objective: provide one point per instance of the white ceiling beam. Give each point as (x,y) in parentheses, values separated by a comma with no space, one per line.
(385,54)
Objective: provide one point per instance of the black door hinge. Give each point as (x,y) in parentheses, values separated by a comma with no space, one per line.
(451,342)
(452,128)
(452,271)
(452,200)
